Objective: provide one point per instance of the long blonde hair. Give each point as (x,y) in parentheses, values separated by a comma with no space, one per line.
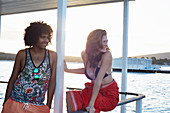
(93,45)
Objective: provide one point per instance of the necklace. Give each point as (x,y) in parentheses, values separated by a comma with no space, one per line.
(36,71)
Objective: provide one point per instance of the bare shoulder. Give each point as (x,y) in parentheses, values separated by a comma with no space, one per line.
(84,55)
(107,58)
(20,58)
(53,55)
(21,54)
(107,55)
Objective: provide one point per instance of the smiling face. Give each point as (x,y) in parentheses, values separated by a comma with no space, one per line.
(43,41)
(34,31)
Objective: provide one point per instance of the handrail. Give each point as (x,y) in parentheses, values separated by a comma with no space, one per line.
(138,98)
(3,82)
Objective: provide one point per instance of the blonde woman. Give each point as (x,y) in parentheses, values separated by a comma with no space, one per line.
(102,93)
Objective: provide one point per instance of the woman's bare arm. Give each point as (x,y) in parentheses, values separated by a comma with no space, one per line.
(52,82)
(78,70)
(16,69)
(105,65)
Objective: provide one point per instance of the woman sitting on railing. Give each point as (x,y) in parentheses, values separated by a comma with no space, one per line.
(102,93)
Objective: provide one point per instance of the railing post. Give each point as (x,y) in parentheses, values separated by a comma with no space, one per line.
(0,26)
(0,21)
(125,53)
(139,106)
(58,101)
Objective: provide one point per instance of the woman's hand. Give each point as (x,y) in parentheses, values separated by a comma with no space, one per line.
(90,109)
(65,66)
(76,71)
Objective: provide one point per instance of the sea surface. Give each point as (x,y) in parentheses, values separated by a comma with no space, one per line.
(155,86)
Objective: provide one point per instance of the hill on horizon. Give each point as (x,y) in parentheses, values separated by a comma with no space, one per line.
(7,56)
(10,56)
(157,55)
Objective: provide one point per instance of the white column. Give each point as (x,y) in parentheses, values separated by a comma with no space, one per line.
(139,106)
(0,20)
(58,101)
(125,53)
(0,26)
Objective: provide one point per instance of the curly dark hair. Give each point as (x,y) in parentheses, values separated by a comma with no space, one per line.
(93,46)
(35,30)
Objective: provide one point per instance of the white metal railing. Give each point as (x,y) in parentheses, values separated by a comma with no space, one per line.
(137,97)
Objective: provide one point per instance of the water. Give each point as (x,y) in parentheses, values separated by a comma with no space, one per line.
(155,86)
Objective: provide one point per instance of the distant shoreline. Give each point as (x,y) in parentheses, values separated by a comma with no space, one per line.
(160,58)
(7,56)
(10,56)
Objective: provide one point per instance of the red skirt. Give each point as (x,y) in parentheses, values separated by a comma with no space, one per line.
(106,100)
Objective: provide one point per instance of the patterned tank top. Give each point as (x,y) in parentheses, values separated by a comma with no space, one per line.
(32,82)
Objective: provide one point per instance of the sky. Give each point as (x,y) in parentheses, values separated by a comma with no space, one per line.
(149,26)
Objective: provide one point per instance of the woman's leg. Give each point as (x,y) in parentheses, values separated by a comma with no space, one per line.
(74,101)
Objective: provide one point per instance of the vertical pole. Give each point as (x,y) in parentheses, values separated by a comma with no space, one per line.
(139,106)
(125,52)
(0,20)
(0,26)
(58,101)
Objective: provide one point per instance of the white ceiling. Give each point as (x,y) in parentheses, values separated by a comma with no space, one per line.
(22,6)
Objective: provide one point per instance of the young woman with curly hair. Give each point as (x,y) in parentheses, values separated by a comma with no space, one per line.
(34,73)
